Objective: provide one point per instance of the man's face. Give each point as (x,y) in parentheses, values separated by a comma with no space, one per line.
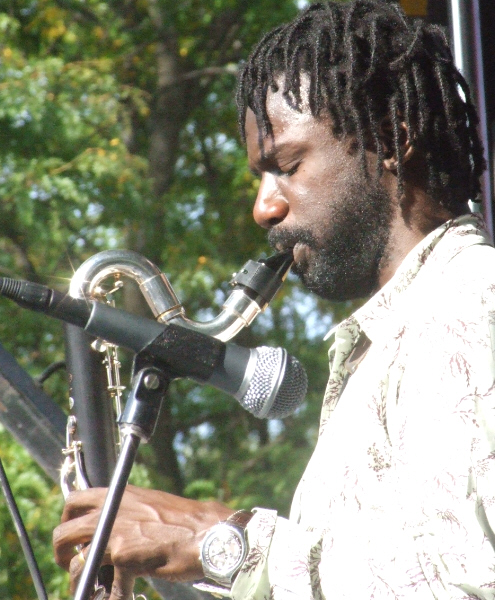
(315,199)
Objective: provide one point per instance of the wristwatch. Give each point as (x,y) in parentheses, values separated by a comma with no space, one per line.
(224,548)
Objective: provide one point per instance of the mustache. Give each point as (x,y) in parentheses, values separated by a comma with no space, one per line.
(282,239)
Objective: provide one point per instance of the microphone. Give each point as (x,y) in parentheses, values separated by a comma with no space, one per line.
(267,382)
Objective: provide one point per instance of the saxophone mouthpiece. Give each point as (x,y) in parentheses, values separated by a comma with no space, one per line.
(261,280)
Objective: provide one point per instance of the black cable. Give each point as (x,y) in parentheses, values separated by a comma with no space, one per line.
(22,534)
(56,366)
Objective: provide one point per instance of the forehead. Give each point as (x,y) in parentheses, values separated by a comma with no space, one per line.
(290,127)
(281,114)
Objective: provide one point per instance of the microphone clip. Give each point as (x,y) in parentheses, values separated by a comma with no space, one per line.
(140,416)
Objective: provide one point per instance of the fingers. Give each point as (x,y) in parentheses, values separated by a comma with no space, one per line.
(123,581)
(82,502)
(69,535)
(76,567)
(122,586)
(78,522)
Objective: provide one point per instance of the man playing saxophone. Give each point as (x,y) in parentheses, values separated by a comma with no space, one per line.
(364,136)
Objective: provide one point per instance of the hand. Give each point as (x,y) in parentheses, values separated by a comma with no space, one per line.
(155,534)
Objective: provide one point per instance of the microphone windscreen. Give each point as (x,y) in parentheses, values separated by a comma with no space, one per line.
(278,385)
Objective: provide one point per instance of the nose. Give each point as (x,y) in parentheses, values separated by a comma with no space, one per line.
(271,206)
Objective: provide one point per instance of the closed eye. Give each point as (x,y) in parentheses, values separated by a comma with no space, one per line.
(280,172)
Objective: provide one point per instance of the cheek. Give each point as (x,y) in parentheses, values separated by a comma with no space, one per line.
(329,184)
(310,196)
(319,185)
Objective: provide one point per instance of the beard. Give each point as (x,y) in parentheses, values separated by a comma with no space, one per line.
(343,263)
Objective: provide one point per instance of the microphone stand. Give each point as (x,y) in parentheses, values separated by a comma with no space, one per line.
(138,423)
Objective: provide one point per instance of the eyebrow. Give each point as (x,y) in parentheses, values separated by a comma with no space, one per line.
(267,159)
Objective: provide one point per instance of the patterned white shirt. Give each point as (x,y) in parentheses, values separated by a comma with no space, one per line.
(398,499)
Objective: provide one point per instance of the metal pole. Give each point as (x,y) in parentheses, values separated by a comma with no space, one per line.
(464,16)
(139,421)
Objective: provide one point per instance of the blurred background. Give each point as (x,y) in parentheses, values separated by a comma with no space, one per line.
(118,130)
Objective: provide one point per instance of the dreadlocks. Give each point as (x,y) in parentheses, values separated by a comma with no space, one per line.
(366,62)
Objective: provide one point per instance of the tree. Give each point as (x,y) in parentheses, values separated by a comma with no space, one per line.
(118,129)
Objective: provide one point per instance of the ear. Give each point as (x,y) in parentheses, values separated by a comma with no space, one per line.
(387,139)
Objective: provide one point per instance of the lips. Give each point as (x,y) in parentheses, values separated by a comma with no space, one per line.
(300,251)
(295,240)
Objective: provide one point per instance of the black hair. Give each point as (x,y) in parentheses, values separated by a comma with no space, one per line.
(366,61)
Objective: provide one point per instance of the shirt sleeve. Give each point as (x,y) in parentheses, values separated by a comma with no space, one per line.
(252,579)
(279,561)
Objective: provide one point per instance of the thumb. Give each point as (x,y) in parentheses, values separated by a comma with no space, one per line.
(122,586)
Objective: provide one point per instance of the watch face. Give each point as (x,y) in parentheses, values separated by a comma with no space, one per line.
(223,550)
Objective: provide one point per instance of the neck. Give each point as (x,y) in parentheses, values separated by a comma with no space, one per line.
(415,216)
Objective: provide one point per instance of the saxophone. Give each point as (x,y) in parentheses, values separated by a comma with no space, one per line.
(92,440)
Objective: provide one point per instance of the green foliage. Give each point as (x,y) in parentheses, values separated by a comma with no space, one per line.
(40,504)
(118,129)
